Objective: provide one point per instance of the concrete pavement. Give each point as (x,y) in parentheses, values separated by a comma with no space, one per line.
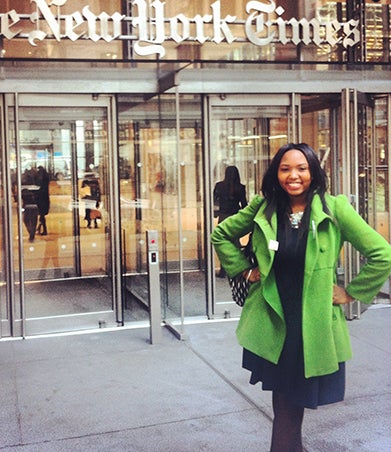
(114,391)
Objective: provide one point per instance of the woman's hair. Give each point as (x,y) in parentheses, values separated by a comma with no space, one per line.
(232,180)
(277,199)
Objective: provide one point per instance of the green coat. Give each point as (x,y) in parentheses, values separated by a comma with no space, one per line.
(261,328)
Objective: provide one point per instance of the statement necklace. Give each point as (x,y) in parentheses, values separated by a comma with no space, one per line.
(295,219)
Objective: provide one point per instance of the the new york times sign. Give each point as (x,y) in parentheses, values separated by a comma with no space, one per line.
(151,28)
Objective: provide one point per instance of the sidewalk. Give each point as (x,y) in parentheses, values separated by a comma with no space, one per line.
(113,391)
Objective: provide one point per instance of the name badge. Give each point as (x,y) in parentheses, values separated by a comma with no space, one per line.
(273,245)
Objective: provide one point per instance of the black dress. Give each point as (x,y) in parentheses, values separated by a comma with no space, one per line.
(288,375)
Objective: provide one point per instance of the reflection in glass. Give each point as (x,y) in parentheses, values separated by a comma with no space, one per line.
(58,154)
(246,137)
(157,191)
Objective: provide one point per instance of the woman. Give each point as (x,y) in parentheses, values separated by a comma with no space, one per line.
(292,328)
(229,196)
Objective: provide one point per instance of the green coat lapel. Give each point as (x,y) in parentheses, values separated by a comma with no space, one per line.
(265,241)
(314,245)
(262,248)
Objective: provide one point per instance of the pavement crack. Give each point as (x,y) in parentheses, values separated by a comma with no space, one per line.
(232,385)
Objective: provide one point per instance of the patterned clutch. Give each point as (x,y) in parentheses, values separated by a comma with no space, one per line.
(239,285)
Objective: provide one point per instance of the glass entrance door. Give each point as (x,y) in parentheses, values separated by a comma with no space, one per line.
(365,132)
(381,175)
(161,187)
(350,131)
(61,179)
(245,135)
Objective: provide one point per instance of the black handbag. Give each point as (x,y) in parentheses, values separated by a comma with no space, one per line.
(239,285)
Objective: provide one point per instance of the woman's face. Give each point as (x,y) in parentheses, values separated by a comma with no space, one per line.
(294,174)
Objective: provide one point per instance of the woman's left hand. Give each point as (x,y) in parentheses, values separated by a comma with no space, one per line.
(340,296)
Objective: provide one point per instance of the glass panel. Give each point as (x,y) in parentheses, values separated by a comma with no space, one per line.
(377,30)
(321,129)
(159,194)
(382,192)
(365,163)
(62,162)
(247,138)
(182,208)
(3,259)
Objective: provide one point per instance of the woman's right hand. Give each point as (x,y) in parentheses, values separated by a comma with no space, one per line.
(252,275)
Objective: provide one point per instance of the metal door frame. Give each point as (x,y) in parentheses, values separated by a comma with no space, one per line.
(10,326)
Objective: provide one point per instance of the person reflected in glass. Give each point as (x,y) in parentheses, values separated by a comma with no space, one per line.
(43,199)
(90,194)
(229,196)
(293,328)
(29,201)
(30,211)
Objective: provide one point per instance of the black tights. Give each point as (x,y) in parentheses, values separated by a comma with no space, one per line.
(288,419)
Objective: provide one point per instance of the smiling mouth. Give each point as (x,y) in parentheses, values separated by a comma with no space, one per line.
(294,185)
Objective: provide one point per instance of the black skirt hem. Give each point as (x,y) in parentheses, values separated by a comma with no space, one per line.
(304,392)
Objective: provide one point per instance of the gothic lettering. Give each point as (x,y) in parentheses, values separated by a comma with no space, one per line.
(49,17)
(282,31)
(104,19)
(295,31)
(260,30)
(149,45)
(6,22)
(175,27)
(263,26)
(220,26)
(316,33)
(332,29)
(71,23)
(352,33)
(200,21)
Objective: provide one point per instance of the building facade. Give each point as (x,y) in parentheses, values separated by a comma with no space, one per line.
(118,118)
